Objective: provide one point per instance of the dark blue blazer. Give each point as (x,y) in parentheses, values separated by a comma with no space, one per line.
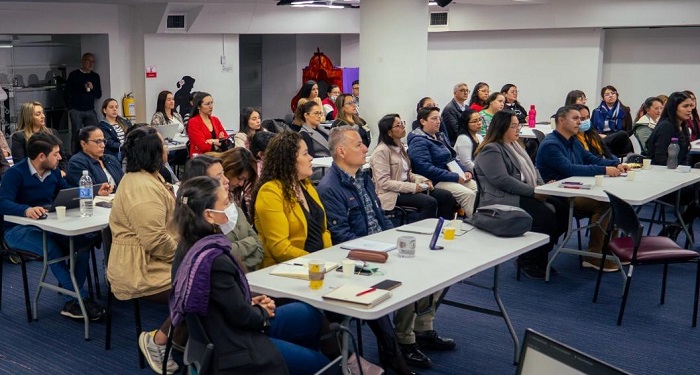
(82,161)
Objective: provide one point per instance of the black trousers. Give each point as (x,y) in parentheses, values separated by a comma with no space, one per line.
(553,224)
(437,203)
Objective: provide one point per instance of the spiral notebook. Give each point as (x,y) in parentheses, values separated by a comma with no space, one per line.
(369,297)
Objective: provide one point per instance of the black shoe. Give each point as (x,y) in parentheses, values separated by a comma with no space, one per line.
(533,272)
(432,341)
(72,309)
(395,364)
(414,357)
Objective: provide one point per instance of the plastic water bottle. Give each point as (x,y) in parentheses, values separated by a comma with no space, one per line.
(86,204)
(532,116)
(673,149)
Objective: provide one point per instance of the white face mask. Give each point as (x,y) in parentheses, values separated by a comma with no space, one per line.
(334,97)
(231,213)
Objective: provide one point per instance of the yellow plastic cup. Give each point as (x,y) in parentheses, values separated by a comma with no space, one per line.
(317,271)
(449,233)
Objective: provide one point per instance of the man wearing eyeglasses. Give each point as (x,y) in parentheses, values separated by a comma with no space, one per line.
(453,109)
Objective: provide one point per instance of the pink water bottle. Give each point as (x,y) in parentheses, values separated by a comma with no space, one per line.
(532,116)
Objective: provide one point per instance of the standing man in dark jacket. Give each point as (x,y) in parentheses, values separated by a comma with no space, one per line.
(353,210)
(82,89)
(454,109)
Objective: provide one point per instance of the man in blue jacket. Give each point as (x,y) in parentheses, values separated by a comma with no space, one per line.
(560,156)
(353,210)
(27,188)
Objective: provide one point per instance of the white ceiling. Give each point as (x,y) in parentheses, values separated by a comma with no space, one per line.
(476,2)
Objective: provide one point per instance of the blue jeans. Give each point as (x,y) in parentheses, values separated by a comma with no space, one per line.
(296,330)
(30,238)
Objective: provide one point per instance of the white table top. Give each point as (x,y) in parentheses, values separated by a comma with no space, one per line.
(182,138)
(526,132)
(72,225)
(426,273)
(648,185)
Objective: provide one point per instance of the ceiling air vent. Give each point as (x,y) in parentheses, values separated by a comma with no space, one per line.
(175,22)
(438,19)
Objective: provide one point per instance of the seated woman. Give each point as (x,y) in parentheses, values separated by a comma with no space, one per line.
(258,146)
(347,115)
(92,158)
(311,131)
(575,97)
(167,115)
(250,334)
(694,123)
(240,169)
(468,137)
(494,103)
(673,124)
(507,176)
(647,117)
(205,131)
(478,100)
(430,155)
(250,125)
(329,102)
(511,93)
(32,119)
(113,127)
(309,93)
(424,103)
(142,248)
(396,185)
(588,135)
(245,244)
(613,121)
(291,222)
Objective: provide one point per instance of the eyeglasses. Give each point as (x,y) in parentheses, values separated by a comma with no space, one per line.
(352,102)
(317,113)
(609,94)
(208,103)
(97,141)
(484,90)
(463,90)
(402,124)
(516,127)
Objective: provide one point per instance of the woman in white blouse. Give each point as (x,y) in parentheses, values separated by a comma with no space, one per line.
(165,112)
(468,137)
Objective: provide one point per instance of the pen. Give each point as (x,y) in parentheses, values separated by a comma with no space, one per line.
(572,183)
(362,293)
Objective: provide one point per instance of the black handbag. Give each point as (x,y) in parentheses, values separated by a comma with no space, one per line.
(502,220)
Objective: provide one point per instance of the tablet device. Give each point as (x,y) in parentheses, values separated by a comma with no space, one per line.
(436,235)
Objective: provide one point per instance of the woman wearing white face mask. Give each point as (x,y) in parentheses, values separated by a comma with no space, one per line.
(329,102)
(245,244)
(589,137)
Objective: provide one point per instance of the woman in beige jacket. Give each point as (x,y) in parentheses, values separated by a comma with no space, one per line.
(396,185)
(142,252)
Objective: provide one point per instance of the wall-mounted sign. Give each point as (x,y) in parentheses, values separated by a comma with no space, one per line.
(151,72)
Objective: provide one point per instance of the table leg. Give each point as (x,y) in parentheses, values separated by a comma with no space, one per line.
(345,347)
(76,288)
(569,231)
(506,318)
(690,241)
(44,270)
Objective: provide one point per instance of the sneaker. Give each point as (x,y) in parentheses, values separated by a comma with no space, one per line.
(72,309)
(594,263)
(154,353)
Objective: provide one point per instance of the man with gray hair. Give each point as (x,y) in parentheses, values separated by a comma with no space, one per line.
(453,109)
(353,210)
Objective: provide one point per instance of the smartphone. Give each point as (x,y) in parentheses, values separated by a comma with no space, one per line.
(358,271)
(387,284)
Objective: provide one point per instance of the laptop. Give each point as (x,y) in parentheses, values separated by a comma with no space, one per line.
(69,198)
(542,355)
(168,131)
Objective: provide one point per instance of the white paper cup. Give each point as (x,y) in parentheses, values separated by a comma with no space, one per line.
(646,163)
(599,180)
(60,212)
(631,175)
(348,267)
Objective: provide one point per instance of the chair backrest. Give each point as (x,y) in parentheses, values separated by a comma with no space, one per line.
(636,146)
(199,349)
(625,218)
(538,134)
(106,243)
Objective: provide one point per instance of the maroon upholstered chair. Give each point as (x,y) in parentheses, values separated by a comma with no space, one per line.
(641,250)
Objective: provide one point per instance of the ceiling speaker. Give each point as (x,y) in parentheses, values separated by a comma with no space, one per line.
(443,3)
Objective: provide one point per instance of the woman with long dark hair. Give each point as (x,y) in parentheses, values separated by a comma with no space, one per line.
(694,122)
(494,103)
(575,97)
(114,128)
(165,112)
(478,100)
(347,115)
(511,93)
(394,180)
(266,339)
(647,117)
(507,176)
(468,137)
(205,131)
(250,124)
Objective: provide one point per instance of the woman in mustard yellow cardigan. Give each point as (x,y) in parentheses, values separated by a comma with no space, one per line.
(288,214)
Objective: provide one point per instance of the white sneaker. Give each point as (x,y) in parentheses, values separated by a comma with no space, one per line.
(154,354)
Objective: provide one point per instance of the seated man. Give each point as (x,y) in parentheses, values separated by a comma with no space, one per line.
(29,187)
(560,156)
(353,210)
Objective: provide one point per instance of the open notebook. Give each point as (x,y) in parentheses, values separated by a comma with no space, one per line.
(349,293)
(363,244)
(298,269)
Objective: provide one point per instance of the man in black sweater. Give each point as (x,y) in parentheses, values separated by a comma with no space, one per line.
(82,89)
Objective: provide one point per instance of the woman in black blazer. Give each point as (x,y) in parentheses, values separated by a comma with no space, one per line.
(250,334)
(32,119)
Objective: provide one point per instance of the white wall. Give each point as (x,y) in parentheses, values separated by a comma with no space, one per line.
(349,51)
(545,65)
(647,62)
(197,56)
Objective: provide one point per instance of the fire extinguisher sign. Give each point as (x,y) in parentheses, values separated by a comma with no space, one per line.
(151,72)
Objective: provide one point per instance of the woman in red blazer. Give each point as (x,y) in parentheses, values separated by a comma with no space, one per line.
(205,131)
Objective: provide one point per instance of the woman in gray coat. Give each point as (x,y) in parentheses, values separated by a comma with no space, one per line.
(506,175)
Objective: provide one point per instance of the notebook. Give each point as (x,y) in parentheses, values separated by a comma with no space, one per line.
(362,244)
(298,269)
(349,293)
